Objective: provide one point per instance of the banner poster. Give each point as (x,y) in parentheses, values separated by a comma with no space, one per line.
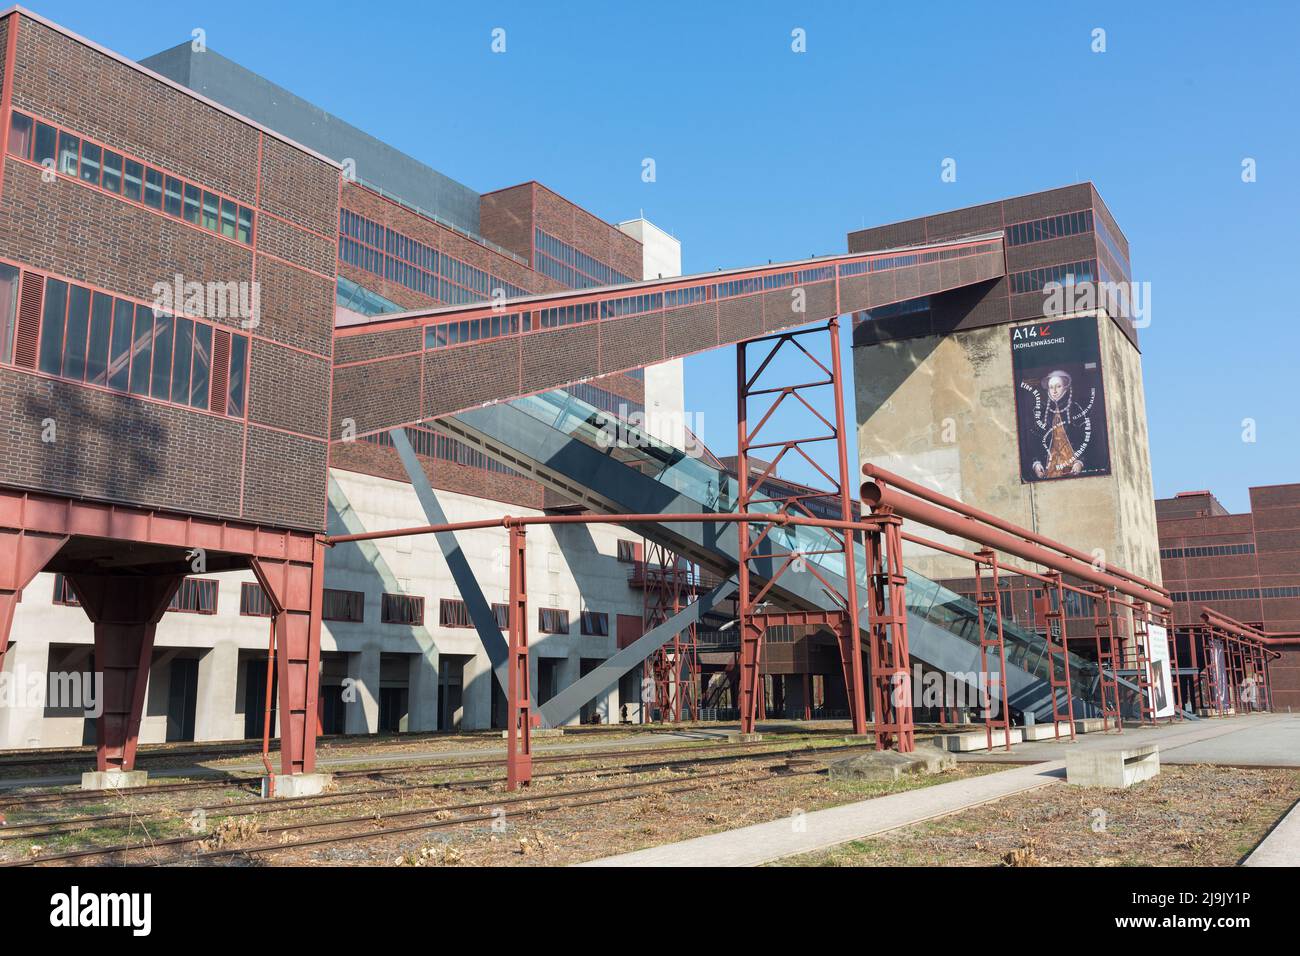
(1060,405)
(1162,683)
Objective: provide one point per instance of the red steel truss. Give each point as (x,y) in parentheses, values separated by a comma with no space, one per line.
(766,402)
(673,669)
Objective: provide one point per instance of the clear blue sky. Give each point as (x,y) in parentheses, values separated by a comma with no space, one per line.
(764,154)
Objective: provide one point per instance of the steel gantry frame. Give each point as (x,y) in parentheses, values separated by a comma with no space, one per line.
(986,601)
(767,401)
(673,669)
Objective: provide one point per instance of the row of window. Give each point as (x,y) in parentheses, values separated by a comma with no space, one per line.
(561,261)
(99,339)
(1034,279)
(1113,247)
(194,596)
(430,444)
(119,174)
(899,260)
(1053,227)
(1207,551)
(472,330)
(1237,594)
(369,245)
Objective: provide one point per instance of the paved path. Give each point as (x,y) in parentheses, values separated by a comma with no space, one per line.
(1282,845)
(1258,738)
(821,829)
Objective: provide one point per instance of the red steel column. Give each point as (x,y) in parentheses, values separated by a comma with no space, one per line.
(519,744)
(125,610)
(891,689)
(297,586)
(983,603)
(751,633)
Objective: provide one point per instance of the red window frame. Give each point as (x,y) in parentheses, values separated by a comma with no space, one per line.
(552,620)
(195,596)
(253,601)
(348,607)
(453,612)
(404,609)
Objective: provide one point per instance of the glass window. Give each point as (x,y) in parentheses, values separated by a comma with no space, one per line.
(192,204)
(211,213)
(181,360)
(245,229)
(56,303)
(90,163)
(8,310)
(133,180)
(141,349)
(172,197)
(153,186)
(228,218)
(74,342)
(202,362)
(112,171)
(162,357)
(101,319)
(20,135)
(69,148)
(238,365)
(46,136)
(119,366)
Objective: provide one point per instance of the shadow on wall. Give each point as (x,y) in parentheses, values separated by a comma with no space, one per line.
(85,446)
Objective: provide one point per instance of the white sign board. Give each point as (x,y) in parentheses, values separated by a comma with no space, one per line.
(1162,682)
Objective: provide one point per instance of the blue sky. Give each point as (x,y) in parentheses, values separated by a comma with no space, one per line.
(762,153)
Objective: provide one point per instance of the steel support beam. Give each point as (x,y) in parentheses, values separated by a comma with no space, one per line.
(519,738)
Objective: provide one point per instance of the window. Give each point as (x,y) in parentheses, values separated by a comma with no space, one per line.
(119,369)
(133,180)
(238,368)
(202,363)
(627,551)
(46,137)
(20,135)
(69,148)
(244,231)
(162,357)
(344,606)
(74,341)
(142,350)
(172,197)
(402,609)
(228,217)
(253,601)
(112,180)
(192,203)
(552,620)
(8,309)
(211,212)
(90,154)
(56,303)
(502,613)
(63,593)
(101,321)
(153,188)
(595,623)
(453,613)
(195,596)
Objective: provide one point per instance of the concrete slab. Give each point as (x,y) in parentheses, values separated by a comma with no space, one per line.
(736,737)
(884,766)
(977,740)
(1115,768)
(808,832)
(298,785)
(1090,725)
(1282,845)
(114,779)
(1045,731)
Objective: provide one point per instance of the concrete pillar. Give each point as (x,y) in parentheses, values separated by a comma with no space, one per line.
(214,711)
(476,693)
(361,713)
(422,691)
(796,695)
(567,672)
(22,716)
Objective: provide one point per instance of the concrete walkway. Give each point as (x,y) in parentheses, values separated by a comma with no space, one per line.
(1282,845)
(822,829)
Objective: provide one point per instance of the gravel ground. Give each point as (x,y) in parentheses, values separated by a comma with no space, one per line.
(1187,816)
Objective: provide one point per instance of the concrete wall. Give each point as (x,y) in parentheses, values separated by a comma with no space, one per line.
(941,410)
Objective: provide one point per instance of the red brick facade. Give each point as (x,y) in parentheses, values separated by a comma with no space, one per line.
(112,446)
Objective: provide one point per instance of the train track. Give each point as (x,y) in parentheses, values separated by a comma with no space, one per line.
(328,800)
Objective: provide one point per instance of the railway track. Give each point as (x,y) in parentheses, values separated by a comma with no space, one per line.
(587,797)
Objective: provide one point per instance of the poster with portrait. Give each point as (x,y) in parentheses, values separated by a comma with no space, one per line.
(1162,682)
(1060,405)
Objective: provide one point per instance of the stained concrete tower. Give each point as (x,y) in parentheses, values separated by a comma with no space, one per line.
(1023,395)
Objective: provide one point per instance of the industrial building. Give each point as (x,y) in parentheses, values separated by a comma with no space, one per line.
(238,366)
